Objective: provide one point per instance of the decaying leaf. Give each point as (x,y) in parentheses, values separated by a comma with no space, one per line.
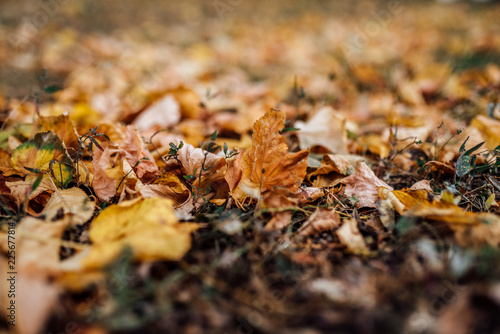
(138,156)
(35,198)
(108,171)
(363,186)
(73,203)
(267,165)
(194,161)
(234,171)
(422,185)
(45,153)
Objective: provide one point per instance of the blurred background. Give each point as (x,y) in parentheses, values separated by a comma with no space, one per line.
(206,43)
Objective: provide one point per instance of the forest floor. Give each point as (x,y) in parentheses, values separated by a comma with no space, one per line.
(249,167)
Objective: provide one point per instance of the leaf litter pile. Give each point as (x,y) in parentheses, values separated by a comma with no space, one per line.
(250,167)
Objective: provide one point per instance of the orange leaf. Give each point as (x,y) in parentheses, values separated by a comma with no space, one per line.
(267,165)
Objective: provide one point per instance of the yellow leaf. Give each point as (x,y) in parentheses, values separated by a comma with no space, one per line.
(148,226)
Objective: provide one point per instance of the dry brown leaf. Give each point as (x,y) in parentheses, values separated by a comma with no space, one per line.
(363,186)
(108,171)
(191,161)
(349,235)
(422,185)
(332,167)
(35,200)
(267,165)
(325,129)
(6,194)
(162,114)
(167,186)
(130,185)
(320,221)
(309,194)
(72,202)
(234,171)
(138,156)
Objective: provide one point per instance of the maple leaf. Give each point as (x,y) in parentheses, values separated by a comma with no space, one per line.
(267,165)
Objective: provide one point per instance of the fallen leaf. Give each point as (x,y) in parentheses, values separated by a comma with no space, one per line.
(320,221)
(44,153)
(161,114)
(234,171)
(309,194)
(325,129)
(148,226)
(194,161)
(138,156)
(167,186)
(62,126)
(35,200)
(363,186)
(333,167)
(267,165)
(349,235)
(72,202)
(108,171)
